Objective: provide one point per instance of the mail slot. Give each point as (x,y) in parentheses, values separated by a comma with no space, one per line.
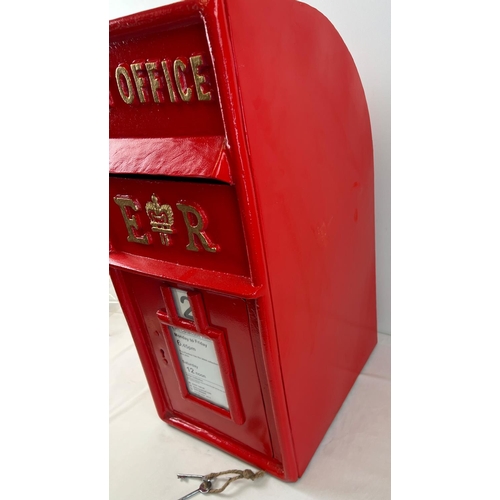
(241,220)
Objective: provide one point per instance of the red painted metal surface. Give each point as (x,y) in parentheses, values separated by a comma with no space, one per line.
(242,172)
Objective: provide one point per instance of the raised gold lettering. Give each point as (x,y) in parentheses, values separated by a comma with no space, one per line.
(131,222)
(196,229)
(121,76)
(186,79)
(152,68)
(161,218)
(139,80)
(199,80)
(168,79)
(185,92)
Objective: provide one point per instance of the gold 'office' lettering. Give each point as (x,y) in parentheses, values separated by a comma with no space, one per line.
(168,79)
(130,221)
(152,69)
(122,76)
(185,79)
(185,92)
(140,81)
(196,229)
(199,80)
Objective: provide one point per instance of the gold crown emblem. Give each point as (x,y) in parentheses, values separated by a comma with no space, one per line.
(161,218)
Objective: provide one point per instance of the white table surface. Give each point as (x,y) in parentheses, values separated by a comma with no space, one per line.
(352,462)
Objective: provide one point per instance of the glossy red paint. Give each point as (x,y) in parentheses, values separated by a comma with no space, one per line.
(241,171)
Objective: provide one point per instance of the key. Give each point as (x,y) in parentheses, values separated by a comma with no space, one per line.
(188,476)
(204,488)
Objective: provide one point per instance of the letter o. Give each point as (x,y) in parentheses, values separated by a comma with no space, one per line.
(121,71)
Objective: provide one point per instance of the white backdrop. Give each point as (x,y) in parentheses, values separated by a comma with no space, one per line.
(365,27)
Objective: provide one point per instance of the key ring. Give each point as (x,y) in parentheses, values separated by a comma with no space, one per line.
(204,488)
(206,485)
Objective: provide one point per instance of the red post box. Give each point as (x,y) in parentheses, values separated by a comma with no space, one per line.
(241,220)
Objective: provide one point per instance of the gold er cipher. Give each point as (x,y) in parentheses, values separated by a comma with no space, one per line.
(161,219)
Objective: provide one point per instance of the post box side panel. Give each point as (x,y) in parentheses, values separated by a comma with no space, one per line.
(190,223)
(229,316)
(311,156)
(162,83)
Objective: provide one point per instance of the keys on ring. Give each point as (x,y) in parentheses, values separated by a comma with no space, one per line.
(204,488)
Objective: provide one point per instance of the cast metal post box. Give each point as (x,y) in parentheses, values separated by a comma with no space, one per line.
(242,220)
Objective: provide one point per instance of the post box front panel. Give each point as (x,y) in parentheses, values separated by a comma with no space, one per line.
(203,354)
(162,83)
(191,223)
